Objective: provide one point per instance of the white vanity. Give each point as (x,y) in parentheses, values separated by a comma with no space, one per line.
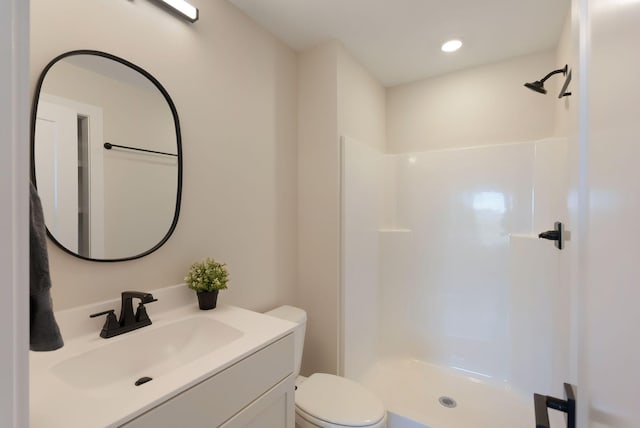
(227,367)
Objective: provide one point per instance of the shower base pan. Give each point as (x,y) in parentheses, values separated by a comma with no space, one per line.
(417,394)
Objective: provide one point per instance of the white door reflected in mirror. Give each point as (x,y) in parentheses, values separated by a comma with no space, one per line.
(69,173)
(56,166)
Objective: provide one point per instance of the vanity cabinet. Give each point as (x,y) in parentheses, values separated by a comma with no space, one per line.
(255,392)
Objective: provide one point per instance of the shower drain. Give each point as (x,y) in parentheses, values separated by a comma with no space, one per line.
(447,402)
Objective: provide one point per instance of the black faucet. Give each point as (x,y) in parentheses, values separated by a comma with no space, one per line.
(128,320)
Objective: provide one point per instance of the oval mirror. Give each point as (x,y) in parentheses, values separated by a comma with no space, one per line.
(106,156)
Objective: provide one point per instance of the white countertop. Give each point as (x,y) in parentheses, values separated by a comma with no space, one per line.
(56,403)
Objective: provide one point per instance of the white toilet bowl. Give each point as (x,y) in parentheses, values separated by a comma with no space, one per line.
(329,401)
(325,400)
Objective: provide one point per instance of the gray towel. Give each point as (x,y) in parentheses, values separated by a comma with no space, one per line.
(44,331)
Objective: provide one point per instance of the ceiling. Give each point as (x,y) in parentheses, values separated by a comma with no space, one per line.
(399,40)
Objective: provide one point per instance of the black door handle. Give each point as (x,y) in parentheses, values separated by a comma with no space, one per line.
(543,402)
(555,235)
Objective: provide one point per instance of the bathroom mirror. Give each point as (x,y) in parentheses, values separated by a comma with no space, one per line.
(106,156)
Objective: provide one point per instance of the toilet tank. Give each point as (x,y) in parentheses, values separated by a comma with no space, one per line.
(298,316)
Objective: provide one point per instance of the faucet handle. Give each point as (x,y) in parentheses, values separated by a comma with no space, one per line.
(110,324)
(141,313)
(110,311)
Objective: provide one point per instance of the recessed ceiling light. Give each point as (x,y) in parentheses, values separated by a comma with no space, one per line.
(451,46)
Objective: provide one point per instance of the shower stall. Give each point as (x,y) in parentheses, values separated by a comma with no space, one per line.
(452,309)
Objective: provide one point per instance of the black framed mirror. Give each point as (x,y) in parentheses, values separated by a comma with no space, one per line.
(106,156)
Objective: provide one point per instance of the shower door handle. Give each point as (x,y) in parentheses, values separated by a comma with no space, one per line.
(557,234)
(543,402)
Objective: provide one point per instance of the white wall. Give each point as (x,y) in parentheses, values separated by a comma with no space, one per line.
(361,121)
(337,96)
(609,383)
(234,86)
(318,209)
(361,103)
(564,337)
(564,55)
(480,106)
(14,214)
(362,208)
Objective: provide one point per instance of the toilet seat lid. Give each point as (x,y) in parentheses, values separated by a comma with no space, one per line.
(338,401)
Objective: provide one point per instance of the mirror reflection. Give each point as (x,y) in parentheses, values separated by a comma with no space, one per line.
(106,156)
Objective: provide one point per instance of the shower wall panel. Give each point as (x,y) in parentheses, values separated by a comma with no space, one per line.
(455,274)
(461,206)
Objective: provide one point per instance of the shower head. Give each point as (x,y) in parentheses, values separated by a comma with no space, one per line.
(538,85)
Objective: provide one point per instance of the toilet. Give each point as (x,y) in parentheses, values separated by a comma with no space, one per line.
(325,400)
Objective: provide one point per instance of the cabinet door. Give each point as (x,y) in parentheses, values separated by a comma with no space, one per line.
(222,397)
(275,409)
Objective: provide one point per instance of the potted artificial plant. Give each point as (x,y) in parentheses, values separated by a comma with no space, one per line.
(207,277)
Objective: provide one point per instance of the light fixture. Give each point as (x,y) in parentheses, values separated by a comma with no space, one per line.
(185,9)
(451,46)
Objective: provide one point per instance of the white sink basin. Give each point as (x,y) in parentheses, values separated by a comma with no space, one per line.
(90,382)
(148,352)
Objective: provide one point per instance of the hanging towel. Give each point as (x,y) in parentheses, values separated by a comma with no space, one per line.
(44,331)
